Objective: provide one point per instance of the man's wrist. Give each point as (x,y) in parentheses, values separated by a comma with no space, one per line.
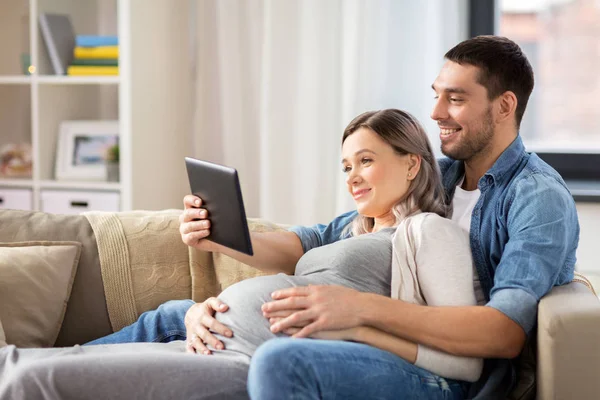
(368,302)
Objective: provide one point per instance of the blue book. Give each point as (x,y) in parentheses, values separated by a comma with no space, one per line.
(95,41)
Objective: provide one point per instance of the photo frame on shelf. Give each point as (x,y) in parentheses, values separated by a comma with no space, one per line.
(82,147)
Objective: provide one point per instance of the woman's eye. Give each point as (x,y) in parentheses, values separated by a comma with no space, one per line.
(346,169)
(366,160)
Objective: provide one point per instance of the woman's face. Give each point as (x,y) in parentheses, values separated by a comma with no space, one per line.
(377,177)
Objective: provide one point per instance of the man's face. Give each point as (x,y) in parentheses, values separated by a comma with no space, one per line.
(463,112)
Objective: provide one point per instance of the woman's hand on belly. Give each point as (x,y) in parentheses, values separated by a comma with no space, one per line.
(314,308)
(198,320)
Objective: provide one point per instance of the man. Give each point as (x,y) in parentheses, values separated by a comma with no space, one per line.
(523,229)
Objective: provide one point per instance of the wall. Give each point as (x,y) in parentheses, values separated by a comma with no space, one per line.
(587,254)
(157,77)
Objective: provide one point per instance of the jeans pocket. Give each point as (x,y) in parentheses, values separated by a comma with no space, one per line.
(448,388)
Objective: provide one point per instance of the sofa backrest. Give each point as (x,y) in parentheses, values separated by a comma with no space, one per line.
(130,262)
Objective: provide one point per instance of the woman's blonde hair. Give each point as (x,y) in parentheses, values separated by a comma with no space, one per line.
(405,134)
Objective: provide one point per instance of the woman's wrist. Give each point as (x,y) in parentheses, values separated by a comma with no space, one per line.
(359,334)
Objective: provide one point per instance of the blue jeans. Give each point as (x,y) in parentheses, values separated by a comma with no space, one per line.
(163,325)
(324,369)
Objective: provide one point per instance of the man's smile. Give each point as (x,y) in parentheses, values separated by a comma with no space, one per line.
(449,131)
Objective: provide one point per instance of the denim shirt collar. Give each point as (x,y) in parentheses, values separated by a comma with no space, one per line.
(500,171)
(507,162)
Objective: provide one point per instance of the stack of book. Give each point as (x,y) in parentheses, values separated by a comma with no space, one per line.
(95,55)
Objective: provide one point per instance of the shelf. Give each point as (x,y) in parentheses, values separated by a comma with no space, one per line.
(77,80)
(22,183)
(32,107)
(15,80)
(59,80)
(102,186)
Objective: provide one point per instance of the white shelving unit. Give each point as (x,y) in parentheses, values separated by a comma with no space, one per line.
(78,80)
(16,183)
(150,99)
(15,80)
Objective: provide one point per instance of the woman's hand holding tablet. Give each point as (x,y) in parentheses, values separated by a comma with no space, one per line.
(194,224)
(216,194)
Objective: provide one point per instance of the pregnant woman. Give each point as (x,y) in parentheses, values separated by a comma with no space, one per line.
(399,245)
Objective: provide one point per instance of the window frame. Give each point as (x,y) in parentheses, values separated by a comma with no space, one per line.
(581,171)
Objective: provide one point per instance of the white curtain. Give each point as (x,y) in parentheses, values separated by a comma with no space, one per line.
(278,80)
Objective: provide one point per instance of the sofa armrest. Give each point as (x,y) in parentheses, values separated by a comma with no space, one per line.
(568,357)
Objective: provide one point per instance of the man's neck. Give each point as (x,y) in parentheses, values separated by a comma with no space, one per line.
(474,171)
(479,164)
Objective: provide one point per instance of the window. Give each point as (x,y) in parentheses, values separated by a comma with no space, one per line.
(561,39)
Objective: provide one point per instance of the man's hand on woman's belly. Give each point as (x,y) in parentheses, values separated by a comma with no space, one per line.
(313,308)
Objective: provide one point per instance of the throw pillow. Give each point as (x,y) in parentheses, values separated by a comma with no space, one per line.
(35,285)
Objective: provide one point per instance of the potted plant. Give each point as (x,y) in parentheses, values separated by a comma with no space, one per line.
(112,163)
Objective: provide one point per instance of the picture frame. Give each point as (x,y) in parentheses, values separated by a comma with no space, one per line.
(82,147)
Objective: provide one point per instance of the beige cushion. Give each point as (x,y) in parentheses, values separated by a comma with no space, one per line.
(86,317)
(35,286)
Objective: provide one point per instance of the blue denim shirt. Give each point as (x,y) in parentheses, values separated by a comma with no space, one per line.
(524,231)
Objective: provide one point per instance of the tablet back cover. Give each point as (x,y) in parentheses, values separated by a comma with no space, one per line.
(218,187)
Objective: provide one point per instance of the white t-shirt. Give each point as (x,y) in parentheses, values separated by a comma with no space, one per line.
(463,204)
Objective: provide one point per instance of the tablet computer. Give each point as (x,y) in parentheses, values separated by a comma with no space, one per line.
(219,188)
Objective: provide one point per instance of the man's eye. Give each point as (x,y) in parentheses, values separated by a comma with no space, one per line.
(454,99)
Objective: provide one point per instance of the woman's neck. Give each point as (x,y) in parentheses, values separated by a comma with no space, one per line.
(383,222)
(389,220)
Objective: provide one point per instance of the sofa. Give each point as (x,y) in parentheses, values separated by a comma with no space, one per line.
(100,271)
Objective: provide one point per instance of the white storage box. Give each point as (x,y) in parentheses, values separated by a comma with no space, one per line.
(75,202)
(16,199)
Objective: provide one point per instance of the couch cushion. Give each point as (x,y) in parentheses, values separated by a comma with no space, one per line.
(86,317)
(35,285)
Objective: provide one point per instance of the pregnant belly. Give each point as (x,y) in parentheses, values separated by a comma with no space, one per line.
(244,316)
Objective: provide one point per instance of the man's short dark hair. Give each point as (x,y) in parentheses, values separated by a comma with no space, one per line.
(502,64)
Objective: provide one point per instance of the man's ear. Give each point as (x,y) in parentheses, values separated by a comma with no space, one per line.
(414,166)
(507,106)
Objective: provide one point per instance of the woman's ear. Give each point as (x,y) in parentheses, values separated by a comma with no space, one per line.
(414,165)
